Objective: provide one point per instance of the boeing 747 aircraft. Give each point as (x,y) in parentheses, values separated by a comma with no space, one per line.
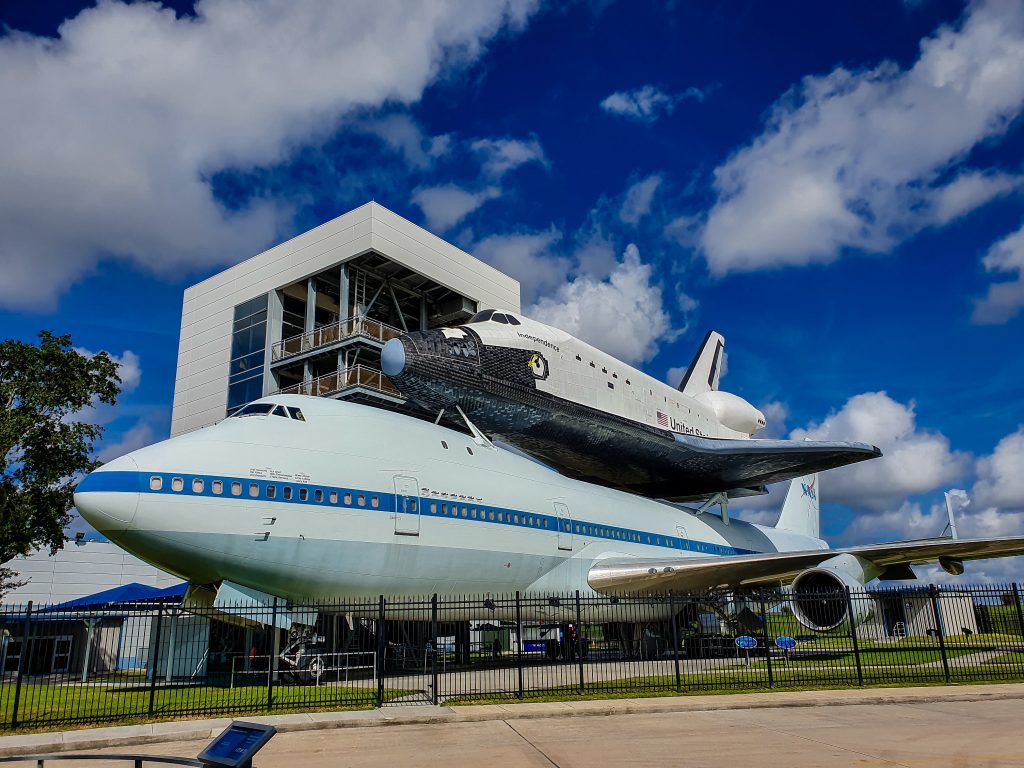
(597,419)
(307,498)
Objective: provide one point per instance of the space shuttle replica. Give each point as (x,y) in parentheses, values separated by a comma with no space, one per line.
(594,418)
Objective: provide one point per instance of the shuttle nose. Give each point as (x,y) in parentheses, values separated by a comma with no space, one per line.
(109,497)
(392,358)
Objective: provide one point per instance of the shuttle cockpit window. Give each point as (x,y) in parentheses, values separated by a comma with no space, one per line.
(482,317)
(255,409)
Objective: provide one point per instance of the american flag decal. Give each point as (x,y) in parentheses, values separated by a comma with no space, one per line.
(662,419)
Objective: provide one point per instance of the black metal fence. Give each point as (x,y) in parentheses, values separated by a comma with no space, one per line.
(116,662)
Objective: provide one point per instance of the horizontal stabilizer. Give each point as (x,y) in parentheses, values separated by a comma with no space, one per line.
(687,574)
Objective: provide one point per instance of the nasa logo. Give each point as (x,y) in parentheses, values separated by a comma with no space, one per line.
(539,366)
(809,490)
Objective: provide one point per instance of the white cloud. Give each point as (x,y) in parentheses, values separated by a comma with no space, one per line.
(1000,475)
(859,159)
(914,460)
(621,315)
(122,119)
(637,202)
(128,367)
(141,434)
(447,205)
(775,414)
(647,103)
(403,134)
(528,258)
(1003,300)
(499,156)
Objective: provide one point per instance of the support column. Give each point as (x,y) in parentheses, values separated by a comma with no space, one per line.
(423,312)
(344,310)
(275,322)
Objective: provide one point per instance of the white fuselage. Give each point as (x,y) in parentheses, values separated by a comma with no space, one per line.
(356,501)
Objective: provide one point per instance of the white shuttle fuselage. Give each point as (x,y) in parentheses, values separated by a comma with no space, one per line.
(352,501)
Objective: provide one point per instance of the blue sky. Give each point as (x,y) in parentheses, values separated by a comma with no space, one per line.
(836,187)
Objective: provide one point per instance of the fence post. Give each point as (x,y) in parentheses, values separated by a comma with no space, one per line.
(433,633)
(381,647)
(1020,615)
(579,640)
(154,659)
(853,636)
(675,639)
(25,645)
(272,660)
(519,644)
(767,644)
(933,592)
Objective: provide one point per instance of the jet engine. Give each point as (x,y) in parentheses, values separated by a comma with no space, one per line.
(733,412)
(819,593)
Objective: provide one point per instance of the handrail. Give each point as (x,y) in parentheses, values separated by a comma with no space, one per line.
(138,760)
(331,334)
(336,381)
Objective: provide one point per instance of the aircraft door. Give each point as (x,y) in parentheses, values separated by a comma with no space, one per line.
(564,526)
(407,506)
(682,537)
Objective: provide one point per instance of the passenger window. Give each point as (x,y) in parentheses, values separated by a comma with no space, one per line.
(271,491)
(412,504)
(197,485)
(218,487)
(444,509)
(444,445)
(303,494)
(156,483)
(465,511)
(287,492)
(515,519)
(469,450)
(375,502)
(318,496)
(333,497)
(361,500)
(254,489)
(236,489)
(348,499)
(433,509)
(490,515)
(501,517)
(177,484)
(472,513)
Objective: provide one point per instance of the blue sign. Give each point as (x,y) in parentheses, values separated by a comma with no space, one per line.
(786,643)
(746,641)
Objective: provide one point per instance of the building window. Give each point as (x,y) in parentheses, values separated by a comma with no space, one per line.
(156,483)
(218,487)
(248,347)
(177,484)
(197,485)
(236,489)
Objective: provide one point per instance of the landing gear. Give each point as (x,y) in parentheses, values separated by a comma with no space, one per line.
(302,658)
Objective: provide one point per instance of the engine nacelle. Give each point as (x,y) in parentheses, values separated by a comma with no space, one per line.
(733,412)
(819,593)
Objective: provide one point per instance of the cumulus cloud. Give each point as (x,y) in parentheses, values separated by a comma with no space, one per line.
(129,368)
(142,107)
(1000,475)
(139,435)
(1003,300)
(499,156)
(527,257)
(914,460)
(862,159)
(404,135)
(647,103)
(637,202)
(621,315)
(448,204)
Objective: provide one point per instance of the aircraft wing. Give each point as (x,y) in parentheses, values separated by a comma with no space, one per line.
(687,574)
(760,462)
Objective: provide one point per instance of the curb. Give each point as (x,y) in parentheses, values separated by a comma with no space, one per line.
(198,730)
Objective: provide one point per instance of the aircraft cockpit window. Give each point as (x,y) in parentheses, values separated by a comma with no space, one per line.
(280,411)
(513,320)
(296,414)
(481,317)
(499,318)
(256,409)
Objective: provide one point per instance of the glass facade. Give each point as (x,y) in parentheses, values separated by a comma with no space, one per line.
(248,349)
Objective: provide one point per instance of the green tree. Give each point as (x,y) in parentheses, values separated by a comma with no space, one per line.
(45,445)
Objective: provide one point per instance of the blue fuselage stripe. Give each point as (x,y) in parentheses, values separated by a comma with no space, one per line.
(256,489)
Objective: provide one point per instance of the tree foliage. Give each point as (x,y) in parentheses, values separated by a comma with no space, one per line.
(45,444)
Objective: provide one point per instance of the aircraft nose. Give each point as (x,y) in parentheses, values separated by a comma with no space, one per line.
(109,497)
(392,358)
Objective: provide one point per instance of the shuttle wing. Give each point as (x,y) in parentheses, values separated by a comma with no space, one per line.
(687,574)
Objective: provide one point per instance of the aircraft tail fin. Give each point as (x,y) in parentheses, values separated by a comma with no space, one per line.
(706,368)
(800,509)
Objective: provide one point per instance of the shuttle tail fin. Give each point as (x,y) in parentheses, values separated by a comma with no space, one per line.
(706,368)
(800,509)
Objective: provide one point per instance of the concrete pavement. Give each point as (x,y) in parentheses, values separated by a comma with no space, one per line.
(961,726)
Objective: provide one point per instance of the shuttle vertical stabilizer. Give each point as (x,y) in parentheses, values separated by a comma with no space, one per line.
(706,368)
